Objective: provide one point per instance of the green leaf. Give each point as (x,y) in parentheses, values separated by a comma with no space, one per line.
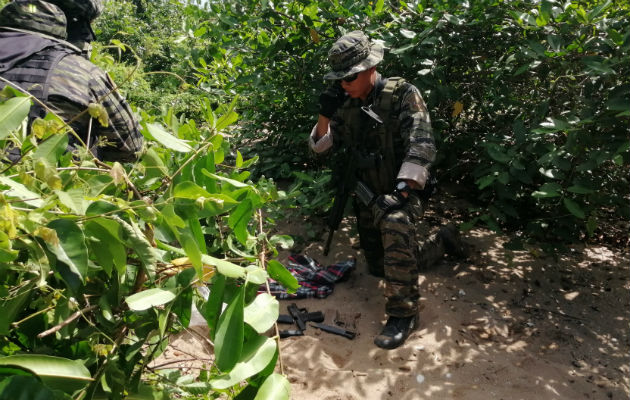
(574,208)
(52,148)
(580,189)
(262,313)
(12,113)
(550,189)
(275,387)
(74,199)
(225,268)
(20,191)
(12,306)
(257,354)
(56,372)
(25,388)
(284,241)
(71,249)
(212,308)
(239,219)
(190,190)
(485,181)
(378,7)
(228,340)
(139,243)
(279,273)
(149,298)
(156,132)
(496,154)
(105,244)
(232,182)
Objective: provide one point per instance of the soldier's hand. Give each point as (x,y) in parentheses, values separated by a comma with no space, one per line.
(331,99)
(386,203)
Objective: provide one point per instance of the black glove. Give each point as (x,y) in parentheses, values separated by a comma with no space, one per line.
(331,99)
(386,203)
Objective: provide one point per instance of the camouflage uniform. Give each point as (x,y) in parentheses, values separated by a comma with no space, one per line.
(35,57)
(389,135)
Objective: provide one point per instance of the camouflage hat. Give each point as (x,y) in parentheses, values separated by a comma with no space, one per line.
(87,9)
(34,15)
(352,53)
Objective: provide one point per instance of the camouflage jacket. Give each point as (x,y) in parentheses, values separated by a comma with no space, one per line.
(31,44)
(391,138)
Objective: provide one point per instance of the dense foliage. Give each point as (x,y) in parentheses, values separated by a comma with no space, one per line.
(99,262)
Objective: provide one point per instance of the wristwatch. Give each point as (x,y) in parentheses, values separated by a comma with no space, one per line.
(403,187)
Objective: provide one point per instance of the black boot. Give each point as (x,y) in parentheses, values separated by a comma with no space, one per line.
(453,243)
(395,332)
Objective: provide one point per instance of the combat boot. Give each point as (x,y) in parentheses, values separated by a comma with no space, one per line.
(395,332)
(453,243)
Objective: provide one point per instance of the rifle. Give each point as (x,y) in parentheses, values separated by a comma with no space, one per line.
(348,185)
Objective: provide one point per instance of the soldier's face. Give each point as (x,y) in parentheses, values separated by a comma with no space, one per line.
(362,85)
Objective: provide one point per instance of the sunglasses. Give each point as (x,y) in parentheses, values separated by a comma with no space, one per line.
(351,78)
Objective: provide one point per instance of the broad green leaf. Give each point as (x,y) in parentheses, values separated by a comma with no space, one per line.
(256,275)
(74,199)
(550,189)
(26,386)
(239,219)
(52,148)
(224,267)
(496,154)
(149,298)
(228,340)
(56,372)
(232,182)
(275,387)
(189,190)
(378,7)
(279,273)
(574,208)
(104,241)
(12,113)
(12,305)
(284,241)
(262,313)
(153,165)
(211,309)
(190,246)
(485,181)
(257,354)
(580,189)
(157,133)
(71,249)
(140,245)
(20,191)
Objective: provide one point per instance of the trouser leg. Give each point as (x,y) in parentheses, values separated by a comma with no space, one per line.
(398,234)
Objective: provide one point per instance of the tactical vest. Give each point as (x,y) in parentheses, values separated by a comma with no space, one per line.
(378,146)
(32,74)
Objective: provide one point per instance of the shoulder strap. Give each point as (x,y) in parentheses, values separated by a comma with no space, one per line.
(389,95)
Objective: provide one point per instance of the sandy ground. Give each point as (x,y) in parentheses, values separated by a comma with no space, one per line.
(501,325)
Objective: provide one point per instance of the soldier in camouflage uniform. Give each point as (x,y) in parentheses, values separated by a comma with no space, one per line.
(385,126)
(35,57)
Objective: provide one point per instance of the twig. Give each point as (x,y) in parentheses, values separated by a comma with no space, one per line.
(263,264)
(65,322)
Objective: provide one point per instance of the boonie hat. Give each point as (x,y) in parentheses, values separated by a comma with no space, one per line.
(80,9)
(36,15)
(352,53)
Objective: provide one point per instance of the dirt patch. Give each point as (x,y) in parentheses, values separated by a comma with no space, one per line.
(504,324)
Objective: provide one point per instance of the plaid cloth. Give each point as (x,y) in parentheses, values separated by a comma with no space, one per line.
(315,281)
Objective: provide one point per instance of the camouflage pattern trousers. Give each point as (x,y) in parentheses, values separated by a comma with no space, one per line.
(393,250)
